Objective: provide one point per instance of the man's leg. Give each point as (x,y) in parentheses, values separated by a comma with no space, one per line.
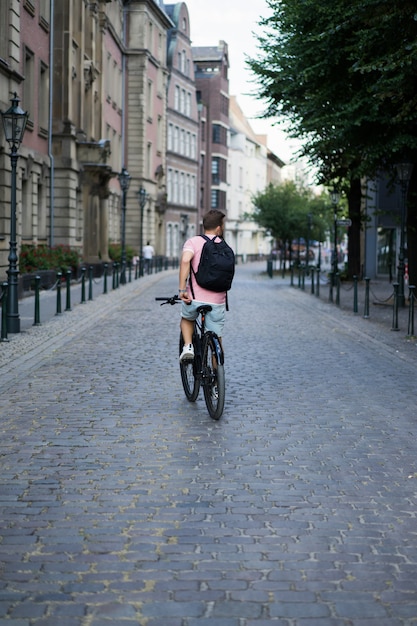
(187,329)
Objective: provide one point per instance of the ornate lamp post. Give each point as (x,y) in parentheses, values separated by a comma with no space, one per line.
(14,124)
(124,180)
(404,174)
(143,198)
(335,197)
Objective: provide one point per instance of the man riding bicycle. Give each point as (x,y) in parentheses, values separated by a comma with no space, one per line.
(193,295)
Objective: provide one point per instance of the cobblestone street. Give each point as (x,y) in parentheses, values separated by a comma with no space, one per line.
(124,504)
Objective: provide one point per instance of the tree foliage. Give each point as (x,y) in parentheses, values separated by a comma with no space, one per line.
(289,212)
(344,74)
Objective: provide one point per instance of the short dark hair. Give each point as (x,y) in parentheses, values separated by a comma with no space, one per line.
(212,219)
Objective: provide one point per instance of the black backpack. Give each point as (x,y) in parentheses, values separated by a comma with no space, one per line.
(216,267)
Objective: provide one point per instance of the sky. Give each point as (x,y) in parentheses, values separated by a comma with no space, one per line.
(235,22)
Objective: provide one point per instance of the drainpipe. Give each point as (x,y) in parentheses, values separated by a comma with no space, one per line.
(124,85)
(51,156)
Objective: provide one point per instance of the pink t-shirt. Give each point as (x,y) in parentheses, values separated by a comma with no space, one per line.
(195,245)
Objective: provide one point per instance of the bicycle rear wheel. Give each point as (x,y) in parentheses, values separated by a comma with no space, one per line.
(189,378)
(213,378)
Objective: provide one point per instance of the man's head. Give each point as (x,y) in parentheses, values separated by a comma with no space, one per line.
(214,220)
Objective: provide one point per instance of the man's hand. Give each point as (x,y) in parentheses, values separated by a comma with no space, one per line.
(184,296)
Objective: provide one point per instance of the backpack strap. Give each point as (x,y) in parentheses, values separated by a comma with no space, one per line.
(192,272)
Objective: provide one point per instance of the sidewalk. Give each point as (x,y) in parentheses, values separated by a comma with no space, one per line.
(24,349)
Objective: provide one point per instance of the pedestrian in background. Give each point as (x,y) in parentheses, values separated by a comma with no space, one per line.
(148,252)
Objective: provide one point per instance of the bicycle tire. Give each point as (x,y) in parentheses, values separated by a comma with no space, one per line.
(214,386)
(190,380)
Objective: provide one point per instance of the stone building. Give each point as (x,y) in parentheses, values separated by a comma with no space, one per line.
(24,70)
(181,218)
(211,65)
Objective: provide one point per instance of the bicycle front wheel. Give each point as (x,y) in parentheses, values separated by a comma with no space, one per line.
(213,378)
(189,378)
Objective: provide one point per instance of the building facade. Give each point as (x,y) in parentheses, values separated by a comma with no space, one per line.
(181,218)
(211,65)
(116,84)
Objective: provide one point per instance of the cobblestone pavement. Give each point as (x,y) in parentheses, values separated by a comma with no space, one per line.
(123,504)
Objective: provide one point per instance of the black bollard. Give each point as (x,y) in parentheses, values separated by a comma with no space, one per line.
(331,287)
(129,265)
(114,276)
(355,294)
(90,282)
(4,287)
(37,320)
(68,277)
(318,283)
(411,311)
(366,309)
(105,278)
(83,270)
(312,281)
(58,293)
(395,308)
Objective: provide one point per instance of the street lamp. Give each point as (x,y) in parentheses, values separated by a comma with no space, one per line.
(143,198)
(404,174)
(14,124)
(335,197)
(124,180)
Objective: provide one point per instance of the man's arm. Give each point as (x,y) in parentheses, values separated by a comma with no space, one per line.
(185,263)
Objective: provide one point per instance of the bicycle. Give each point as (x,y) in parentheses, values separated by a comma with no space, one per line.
(207,367)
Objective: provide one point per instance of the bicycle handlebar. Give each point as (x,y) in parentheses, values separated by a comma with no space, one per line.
(170,300)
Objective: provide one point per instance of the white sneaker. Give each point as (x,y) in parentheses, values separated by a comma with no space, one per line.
(187,352)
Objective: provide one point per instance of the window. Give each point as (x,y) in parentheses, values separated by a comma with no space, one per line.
(214,198)
(175,194)
(218,170)
(42,233)
(43,98)
(29,82)
(177,98)
(176,139)
(148,159)
(219,134)
(170,136)
(27,226)
(182,188)
(149,99)
(160,135)
(218,199)
(44,10)
(215,171)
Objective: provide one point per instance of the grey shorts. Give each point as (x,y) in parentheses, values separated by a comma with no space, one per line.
(214,318)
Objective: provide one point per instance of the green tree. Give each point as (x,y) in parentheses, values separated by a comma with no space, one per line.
(284,211)
(350,100)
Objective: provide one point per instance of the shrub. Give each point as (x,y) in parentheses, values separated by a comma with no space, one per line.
(115,252)
(61,258)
